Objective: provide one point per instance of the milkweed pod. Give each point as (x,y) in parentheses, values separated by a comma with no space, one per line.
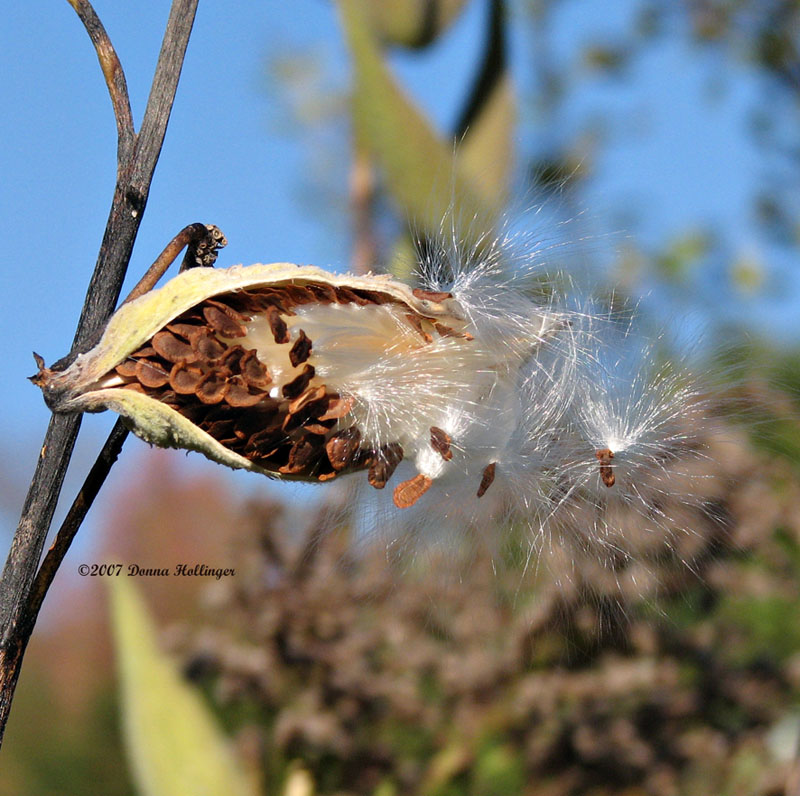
(295,372)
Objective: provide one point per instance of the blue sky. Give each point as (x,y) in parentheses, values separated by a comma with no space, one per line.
(231,158)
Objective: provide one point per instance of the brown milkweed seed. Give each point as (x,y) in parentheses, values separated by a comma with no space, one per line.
(151,374)
(298,384)
(383,463)
(206,346)
(254,371)
(211,390)
(301,350)
(487,479)
(324,294)
(171,348)
(264,443)
(409,492)
(224,319)
(230,361)
(440,442)
(342,447)
(221,430)
(431,295)
(238,395)
(184,330)
(607,476)
(337,407)
(311,395)
(184,380)
(145,352)
(278,326)
(127,369)
(301,455)
(316,428)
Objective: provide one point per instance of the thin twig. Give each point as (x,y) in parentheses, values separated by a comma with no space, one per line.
(134,174)
(115,78)
(133,187)
(75,516)
(202,242)
(162,93)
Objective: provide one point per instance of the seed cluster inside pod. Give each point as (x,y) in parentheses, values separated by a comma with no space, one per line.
(241,367)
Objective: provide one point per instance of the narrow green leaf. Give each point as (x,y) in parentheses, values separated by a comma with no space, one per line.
(412,23)
(489,114)
(173,742)
(487,152)
(421,171)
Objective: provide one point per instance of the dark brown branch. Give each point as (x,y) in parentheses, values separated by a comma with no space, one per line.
(73,521)
(162,94)
(115,78)
(20,568)
(130,197)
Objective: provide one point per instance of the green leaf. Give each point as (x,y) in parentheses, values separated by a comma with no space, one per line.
(487,152)
(412,23)
(173,742)
(421,171)
(489,115)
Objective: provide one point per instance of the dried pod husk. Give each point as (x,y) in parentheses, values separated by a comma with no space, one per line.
(246,365)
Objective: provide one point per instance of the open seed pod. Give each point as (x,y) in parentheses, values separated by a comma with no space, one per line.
(287,370)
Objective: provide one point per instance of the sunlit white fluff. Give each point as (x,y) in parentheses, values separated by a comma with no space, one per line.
(542,389)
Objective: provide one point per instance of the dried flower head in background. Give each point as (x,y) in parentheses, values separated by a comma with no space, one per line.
(581,684)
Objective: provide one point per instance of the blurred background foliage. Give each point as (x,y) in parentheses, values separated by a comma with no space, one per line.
(347,666)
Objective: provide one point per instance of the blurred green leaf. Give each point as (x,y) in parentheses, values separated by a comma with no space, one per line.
(412,23)
(769,627)
(422,173)
(487,121)
(747,274)
(487,152)
(498,772)
(445,765)
(174,745)
(606,58)
(386,788)
(682,254)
